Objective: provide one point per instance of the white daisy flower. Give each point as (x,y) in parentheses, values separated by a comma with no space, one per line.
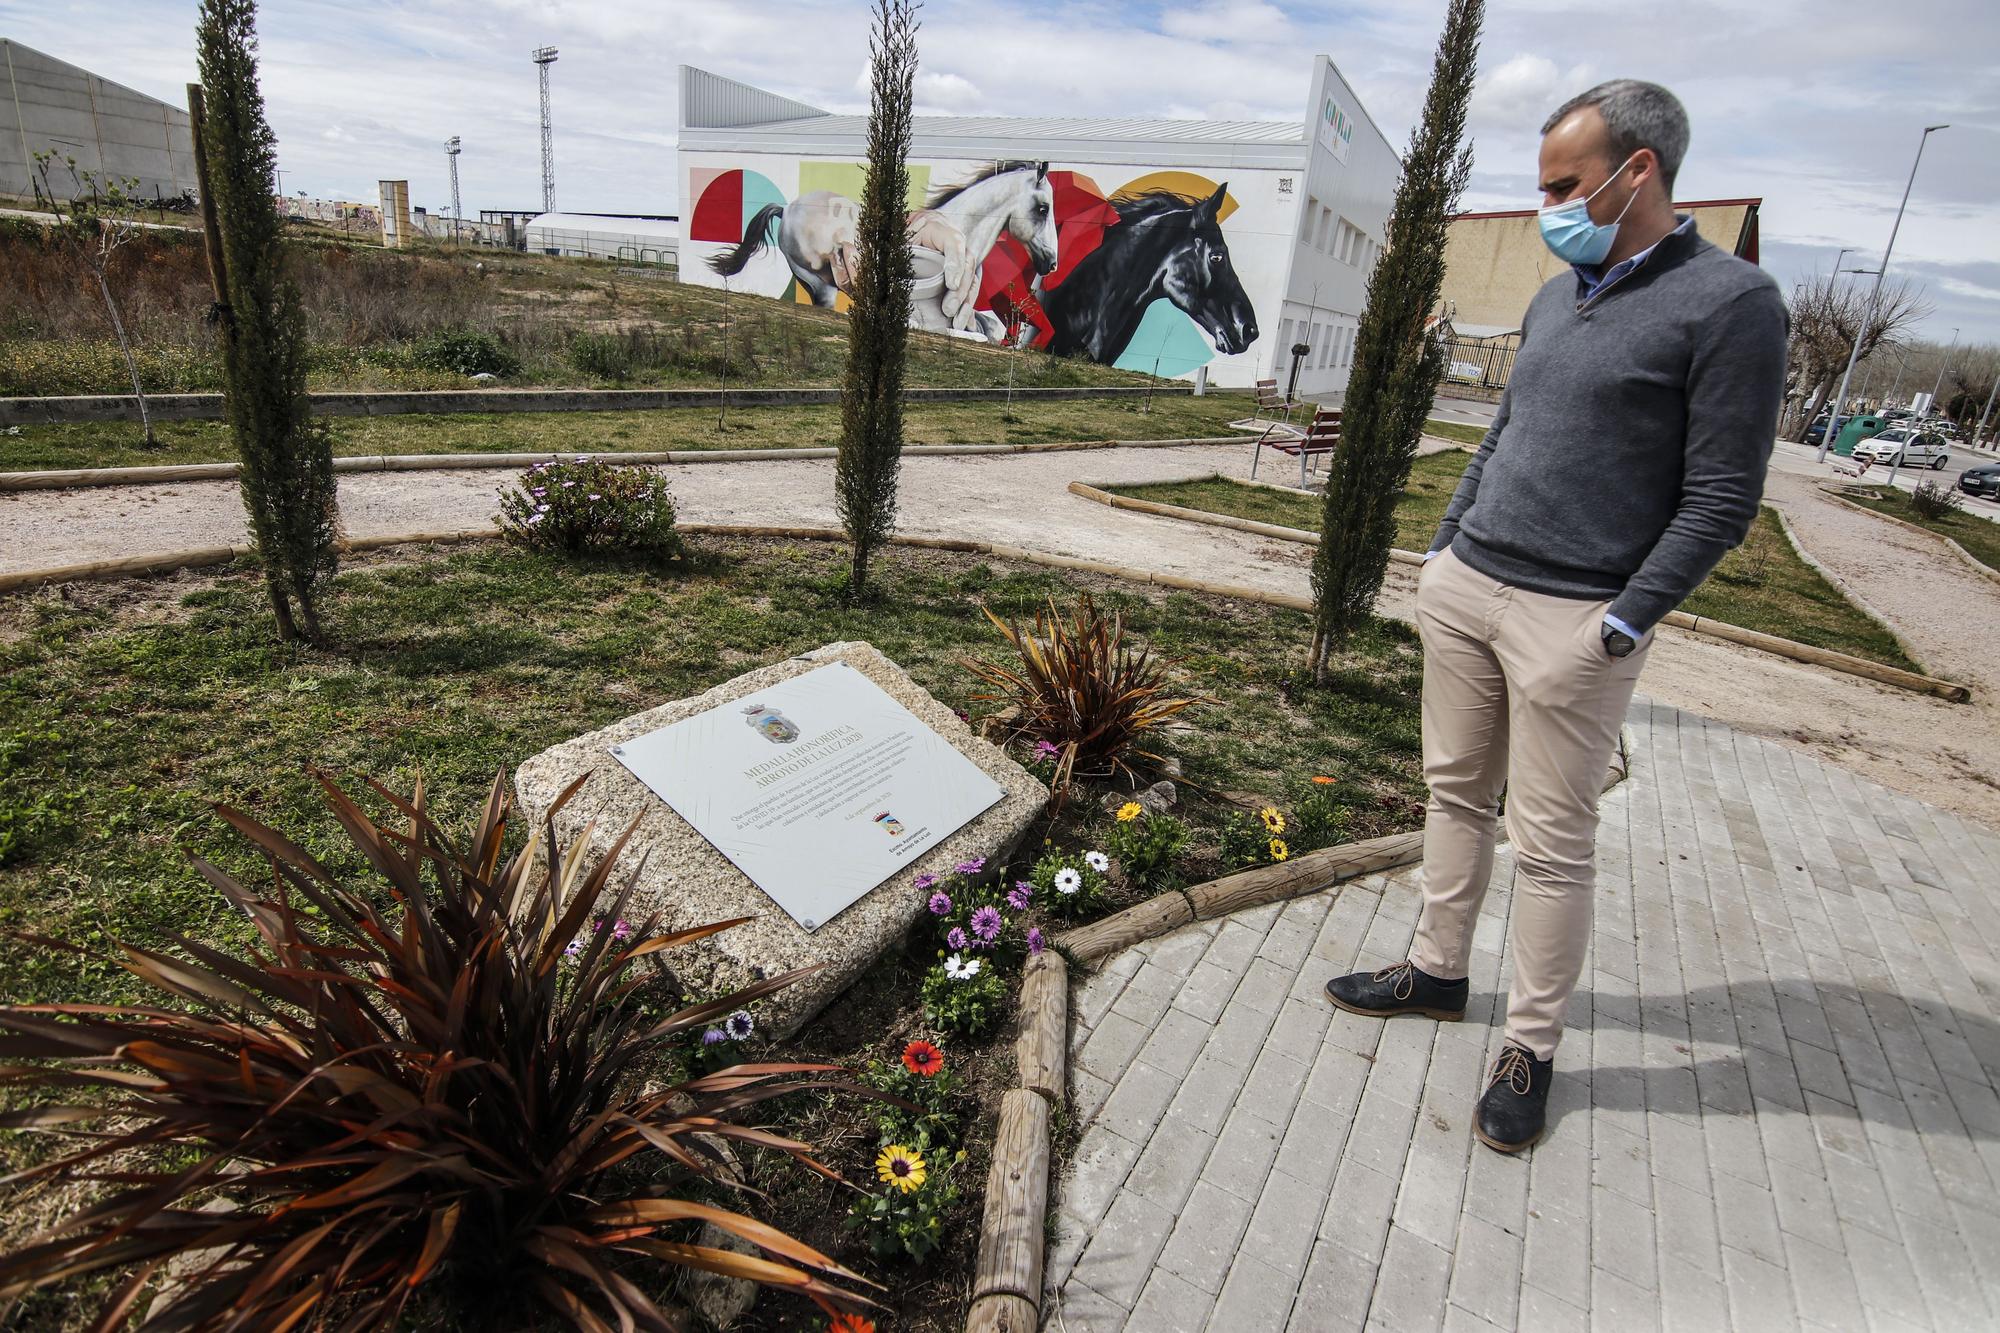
(960,968)
(1097,861)
(1068,880)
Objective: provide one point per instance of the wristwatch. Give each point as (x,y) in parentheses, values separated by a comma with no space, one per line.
(1618,643)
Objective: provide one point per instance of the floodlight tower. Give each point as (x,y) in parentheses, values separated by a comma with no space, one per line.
(545,56)
(451,156)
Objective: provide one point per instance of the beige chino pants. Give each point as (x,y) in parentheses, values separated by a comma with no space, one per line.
(1518,693)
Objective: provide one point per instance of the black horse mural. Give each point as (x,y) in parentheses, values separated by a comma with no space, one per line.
(1163,245)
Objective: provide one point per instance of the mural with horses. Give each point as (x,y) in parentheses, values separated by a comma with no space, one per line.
(1138,277)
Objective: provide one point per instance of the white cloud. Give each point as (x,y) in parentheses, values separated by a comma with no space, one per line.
(1227,21)
(947,93)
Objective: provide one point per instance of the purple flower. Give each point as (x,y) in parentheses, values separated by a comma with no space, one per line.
(986,923)
(595,496)
(739,1025)
(924,882)
(1044,750)
(940,904)
(972,867)
(539,492)
(1035,943)
(714,1037)
(622,931)
(955,938)
(573,948)
(1019,896)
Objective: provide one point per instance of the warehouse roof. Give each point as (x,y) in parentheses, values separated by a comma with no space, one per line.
(722,115)
(609,224)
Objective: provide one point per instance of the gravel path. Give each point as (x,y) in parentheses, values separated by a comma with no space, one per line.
(1947,754)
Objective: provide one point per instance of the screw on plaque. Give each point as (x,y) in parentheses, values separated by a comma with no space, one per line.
(810,925)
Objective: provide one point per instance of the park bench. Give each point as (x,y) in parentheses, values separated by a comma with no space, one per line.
(1274,412)
(1321,436)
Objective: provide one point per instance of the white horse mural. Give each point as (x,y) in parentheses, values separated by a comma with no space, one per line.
(817,234)
(963,223)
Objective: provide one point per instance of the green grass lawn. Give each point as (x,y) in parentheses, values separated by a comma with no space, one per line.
(1455,430)
(127,707)
(1980,537)
(1762,585)
(118,444)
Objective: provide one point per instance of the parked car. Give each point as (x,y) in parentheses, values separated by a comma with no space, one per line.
(1817,431)
(1981,481)
(1897,414)
(1903,446)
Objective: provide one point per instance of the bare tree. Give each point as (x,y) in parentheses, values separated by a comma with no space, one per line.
(90,227)
(1827,317)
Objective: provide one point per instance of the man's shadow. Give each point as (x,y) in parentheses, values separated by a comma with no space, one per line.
(1762,1069)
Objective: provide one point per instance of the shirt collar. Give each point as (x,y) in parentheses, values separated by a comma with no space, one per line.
(1593,279)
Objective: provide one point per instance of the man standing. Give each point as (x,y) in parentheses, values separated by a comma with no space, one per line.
(1627,457)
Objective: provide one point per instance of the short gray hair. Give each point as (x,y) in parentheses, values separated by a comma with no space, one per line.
(1638,115)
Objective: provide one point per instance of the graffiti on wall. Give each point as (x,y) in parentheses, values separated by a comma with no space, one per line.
(1014,251)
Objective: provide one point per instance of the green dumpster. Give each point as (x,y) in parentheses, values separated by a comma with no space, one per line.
(1854,430)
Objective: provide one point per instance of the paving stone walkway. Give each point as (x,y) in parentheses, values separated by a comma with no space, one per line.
(1775,1105)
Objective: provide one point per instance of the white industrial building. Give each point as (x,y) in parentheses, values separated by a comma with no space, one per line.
(630,238)
(1166,245)
(113,132)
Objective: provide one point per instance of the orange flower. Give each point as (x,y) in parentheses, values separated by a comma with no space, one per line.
(1325,781)
(922,1059)
(850,1323)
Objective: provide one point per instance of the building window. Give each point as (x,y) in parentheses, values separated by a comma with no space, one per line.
(1325,223)
(1310,220)
(1284,344)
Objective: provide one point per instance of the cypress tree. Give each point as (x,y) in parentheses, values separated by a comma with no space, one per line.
(287,459)
(1398,361)
(878,317)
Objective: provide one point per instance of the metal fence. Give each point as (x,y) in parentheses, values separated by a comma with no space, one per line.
(1482,362)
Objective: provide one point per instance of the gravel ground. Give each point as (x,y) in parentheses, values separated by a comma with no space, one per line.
(1948,754)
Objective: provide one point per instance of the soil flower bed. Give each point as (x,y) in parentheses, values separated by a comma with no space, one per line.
(127,708)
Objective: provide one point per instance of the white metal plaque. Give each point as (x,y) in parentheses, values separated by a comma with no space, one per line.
(818,788)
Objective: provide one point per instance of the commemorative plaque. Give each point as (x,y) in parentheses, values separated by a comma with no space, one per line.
(818,788)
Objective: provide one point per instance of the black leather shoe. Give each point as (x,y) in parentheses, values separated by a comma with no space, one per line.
(1402,989)
(1515,1109)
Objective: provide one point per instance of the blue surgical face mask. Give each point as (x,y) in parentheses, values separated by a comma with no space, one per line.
(1570,234)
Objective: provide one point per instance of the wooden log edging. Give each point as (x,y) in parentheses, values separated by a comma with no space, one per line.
(72,409)
(1977,565)
(1309,872)
(1007,1279)
(1847,663)
(156,474)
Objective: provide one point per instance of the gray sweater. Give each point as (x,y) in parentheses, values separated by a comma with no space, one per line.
(1628,455)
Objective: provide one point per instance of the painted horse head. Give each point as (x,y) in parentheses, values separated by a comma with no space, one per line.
(1033,220)
(1200,280)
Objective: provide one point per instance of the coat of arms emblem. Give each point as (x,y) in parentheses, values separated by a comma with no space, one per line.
(769,723)
(889,824)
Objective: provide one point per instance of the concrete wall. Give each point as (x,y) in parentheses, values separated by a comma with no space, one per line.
(1496,262)
(113,132)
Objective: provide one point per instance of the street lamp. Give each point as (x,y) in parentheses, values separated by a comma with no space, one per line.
(1949,349)
(451,156)
(1826,440)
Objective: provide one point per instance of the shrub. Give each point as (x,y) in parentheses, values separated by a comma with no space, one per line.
(1070,885)
(964,995)
(466,352)
(424,1100)
(1933,501)
(588,506)
(603,355)
(903,1218)
(1256,840)
(1082,687)
(1146,845)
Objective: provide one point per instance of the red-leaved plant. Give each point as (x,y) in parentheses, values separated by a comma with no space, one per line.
(378,1107)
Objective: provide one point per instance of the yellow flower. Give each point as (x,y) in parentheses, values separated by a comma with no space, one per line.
(1278,849)
(901,1167)
(1129,811)
(1273,821)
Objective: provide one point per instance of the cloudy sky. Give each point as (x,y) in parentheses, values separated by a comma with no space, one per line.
(1814,105)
